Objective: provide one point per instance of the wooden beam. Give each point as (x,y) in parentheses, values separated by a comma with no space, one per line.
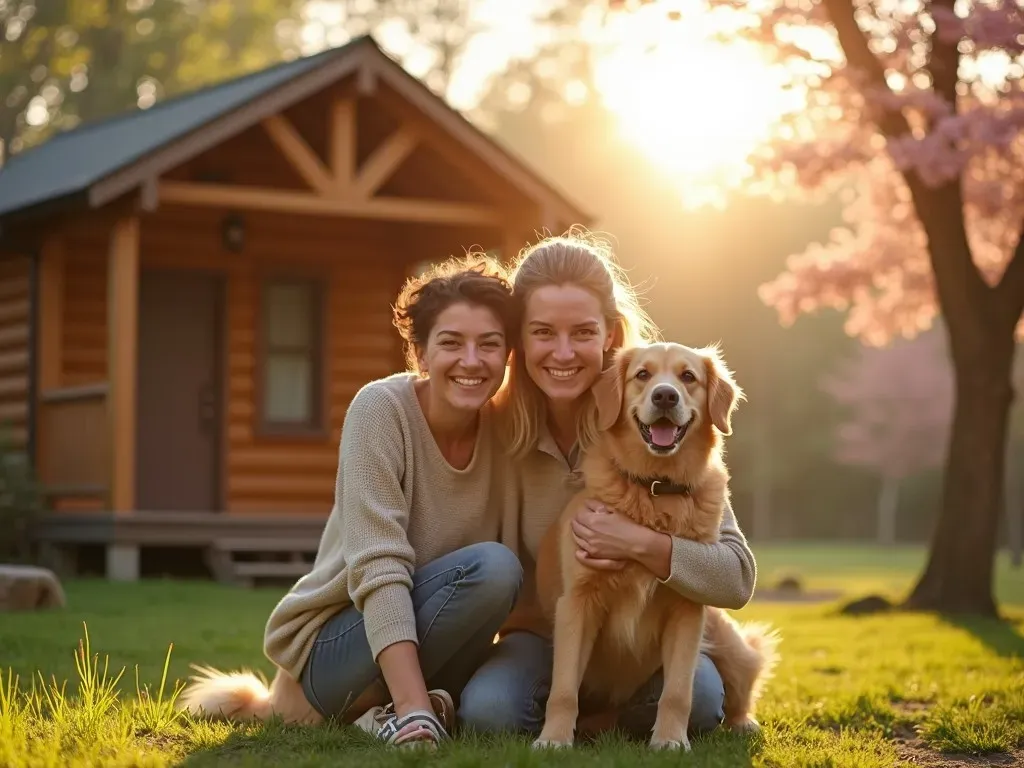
(50,338)
(51,312)
(384,161)
(387,208)
(299,154)
(343,142)
(122,335)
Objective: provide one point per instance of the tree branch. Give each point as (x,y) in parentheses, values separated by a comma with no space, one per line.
(1009,292)
(944,59)
(890,122)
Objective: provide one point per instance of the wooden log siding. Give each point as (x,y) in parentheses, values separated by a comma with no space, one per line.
(279,474)
(84,347)
(15,286)
(262,474)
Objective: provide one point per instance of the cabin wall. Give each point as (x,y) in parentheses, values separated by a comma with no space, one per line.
(15,338)
(276,474)
(84,327)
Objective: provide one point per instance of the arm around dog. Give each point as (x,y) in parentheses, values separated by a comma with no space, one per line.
(722,574)
(377,552)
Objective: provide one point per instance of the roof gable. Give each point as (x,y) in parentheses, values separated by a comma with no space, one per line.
(70,162)
(97,162)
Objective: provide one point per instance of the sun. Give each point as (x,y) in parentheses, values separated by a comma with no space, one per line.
(697,107)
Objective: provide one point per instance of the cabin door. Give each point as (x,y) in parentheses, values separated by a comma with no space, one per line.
(179,390)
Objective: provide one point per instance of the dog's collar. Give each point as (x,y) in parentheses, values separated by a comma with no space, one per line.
(658,486)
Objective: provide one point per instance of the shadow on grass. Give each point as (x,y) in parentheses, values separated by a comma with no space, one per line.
(301,747)
(1001,636)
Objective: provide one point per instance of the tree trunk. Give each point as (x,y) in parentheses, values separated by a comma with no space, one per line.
(888,504)
(958,576)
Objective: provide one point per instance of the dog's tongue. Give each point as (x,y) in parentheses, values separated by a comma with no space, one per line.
(663,433)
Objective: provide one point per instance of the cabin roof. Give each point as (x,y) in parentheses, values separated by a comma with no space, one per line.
(98,161)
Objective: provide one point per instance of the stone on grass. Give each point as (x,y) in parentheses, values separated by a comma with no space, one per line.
(866,605)
(29,588)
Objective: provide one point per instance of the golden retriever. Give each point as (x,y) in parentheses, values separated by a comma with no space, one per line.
(661,410)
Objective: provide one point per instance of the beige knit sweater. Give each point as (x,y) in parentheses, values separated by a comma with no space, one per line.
(398,505)
(721,574)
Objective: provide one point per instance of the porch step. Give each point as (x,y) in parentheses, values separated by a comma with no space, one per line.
(263,558)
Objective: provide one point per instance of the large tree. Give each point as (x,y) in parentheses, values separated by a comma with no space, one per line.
(914,110)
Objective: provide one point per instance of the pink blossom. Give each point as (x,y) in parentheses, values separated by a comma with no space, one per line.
(898,400)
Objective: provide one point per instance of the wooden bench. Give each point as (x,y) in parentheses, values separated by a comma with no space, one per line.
(221,559)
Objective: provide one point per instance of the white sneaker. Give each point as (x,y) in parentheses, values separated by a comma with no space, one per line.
(418,728)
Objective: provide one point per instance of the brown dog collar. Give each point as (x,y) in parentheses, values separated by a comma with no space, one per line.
(659,486)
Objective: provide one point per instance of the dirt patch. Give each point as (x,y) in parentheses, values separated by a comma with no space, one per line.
(916,752)
(797,596)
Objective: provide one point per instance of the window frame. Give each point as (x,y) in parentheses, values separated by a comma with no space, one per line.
(316,427)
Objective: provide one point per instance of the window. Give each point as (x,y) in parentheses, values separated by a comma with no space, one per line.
(292,373)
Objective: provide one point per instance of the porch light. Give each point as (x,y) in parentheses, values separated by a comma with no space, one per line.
(233,232)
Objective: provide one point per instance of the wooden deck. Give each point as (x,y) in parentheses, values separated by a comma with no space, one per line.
(282,545)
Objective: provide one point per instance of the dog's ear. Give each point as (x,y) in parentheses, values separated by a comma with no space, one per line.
(608,390)
(723,392)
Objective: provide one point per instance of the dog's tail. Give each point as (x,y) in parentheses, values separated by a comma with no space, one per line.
(240,696)
(746,655)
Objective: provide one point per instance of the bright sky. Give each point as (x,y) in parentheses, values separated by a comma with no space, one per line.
(695,106)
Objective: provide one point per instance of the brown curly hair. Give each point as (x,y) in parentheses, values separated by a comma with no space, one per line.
(475,279)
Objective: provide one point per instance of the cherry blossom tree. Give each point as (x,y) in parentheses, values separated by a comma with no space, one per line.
(913,110)
(899,399)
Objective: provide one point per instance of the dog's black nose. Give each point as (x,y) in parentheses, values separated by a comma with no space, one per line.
(665,397)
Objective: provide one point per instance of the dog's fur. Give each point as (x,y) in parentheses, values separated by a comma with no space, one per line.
(614,629)
(241,696)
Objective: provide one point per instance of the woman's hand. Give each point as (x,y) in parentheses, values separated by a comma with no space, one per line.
(607,540)
(604,538)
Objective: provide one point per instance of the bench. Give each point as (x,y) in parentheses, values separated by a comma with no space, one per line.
(263,559)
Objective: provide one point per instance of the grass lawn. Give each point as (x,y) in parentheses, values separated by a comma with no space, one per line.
(884,690)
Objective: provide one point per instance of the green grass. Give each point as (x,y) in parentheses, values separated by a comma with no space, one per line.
(876,691)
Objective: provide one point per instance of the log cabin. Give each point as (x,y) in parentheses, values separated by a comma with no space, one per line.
(191,294)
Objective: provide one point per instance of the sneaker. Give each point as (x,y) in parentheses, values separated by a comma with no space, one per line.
(419,728)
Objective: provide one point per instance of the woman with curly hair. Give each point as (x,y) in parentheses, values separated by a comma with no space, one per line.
(410,583)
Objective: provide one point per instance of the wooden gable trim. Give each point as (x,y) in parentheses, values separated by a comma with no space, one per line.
(369,64)
(425,101)
(348,61)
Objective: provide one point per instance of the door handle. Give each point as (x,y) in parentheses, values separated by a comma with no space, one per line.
(207,407)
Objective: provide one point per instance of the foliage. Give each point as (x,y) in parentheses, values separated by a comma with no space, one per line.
(899,397)
(66,63)
(20,500)
(914,111)
(840,697)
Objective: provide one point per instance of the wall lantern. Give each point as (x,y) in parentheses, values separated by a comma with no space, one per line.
(233,232)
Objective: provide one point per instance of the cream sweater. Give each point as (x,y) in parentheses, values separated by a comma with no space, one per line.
(398,504)
(722,574)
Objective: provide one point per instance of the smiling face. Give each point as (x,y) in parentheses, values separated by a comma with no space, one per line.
(465,356)
(667,392)
(565,336)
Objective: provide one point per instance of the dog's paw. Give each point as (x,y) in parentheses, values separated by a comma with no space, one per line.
(550,743)
(680,744)
(747,725)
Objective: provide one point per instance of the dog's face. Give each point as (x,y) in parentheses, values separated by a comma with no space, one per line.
(667,392)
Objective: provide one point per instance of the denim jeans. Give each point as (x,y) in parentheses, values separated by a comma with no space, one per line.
(509,692)
(460,601)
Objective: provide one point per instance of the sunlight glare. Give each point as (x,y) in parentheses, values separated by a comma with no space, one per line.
(695,106)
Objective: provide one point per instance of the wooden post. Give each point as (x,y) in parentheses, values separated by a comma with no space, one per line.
(50,338)
(122,333)
(122,321)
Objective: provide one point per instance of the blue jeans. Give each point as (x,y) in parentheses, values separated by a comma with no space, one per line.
(460,601)
(509,693)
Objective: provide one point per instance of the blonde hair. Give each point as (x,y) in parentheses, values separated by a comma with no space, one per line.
(576,258)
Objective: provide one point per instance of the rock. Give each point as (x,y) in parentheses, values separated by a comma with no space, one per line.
(866,605)
(789,584)
(29,588)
